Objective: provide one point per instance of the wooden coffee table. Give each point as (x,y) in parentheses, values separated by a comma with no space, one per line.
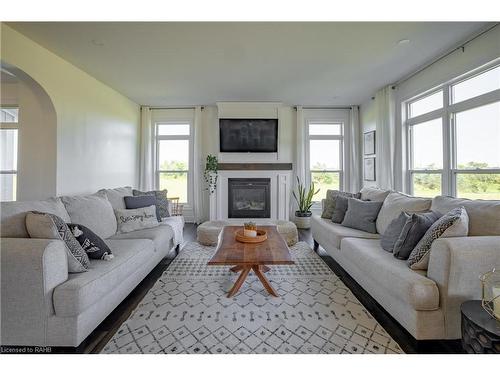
(246,257)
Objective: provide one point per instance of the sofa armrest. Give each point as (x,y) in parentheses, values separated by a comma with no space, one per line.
(455,265)
(31,269)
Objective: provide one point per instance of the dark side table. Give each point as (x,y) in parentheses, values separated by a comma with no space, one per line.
(480,331)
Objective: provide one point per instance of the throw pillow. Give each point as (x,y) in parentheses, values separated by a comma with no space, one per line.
(93,211)
(362,215)
(45,225)
(419,257)
(343,208)
(415,226)
(161,200)
(93,245)
(142,201)
(329,204)
(390,236)
(136,219)
(341,205)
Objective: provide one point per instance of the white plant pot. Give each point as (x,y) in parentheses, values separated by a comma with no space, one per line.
(303,222)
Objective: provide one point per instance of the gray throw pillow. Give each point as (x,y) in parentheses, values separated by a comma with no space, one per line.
(362,215)
(415,226)
(419,257)
(330,201)
(161,200)
(50,226)
(390,236)
(142,201)
(339,212)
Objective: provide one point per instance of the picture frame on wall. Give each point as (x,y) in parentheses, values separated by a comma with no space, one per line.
(369,143)
(369,169)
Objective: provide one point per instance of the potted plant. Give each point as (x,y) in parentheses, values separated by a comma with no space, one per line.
(304,198)
(210,174)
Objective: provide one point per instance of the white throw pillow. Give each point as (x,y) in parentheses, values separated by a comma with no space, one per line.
(136,219)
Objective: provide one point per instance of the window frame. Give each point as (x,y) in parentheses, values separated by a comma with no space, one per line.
(12,126)
(447,113)
(340,138)
(156,151)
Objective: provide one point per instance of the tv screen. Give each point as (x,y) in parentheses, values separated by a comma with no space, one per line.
(248,135)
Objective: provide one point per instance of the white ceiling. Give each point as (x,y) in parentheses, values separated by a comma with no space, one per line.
(335,63)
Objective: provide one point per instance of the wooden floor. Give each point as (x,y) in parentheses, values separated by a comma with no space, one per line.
(103,333)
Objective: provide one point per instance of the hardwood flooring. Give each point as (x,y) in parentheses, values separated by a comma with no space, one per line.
(101,335)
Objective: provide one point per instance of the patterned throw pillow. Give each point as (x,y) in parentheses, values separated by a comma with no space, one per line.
(93,245)
(142,201)
(161,200)
(419,257)
(136,219)
(44,225)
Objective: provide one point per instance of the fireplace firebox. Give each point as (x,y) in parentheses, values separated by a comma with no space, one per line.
(249,198)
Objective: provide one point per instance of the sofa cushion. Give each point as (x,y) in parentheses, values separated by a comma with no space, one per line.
(362,215)
(13,215)
(116,196)
(391,274)
(83,290)
(395,203)
(162,236)
(337,232)
(93,211)
(483,214)
(373,194)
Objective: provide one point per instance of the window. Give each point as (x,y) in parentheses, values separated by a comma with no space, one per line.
(325,151)
(8,153)
(173,150)
(454,148)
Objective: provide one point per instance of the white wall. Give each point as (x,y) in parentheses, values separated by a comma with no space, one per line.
(97,127)
(477,53)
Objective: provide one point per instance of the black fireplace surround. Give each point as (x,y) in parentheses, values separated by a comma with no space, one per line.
(249,198)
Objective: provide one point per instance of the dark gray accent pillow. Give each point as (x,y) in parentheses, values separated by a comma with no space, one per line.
(362,215)
(392,233)
(161,200)
(341,204)
(416,225)
(338,217)
(419,257)
(331,200)
(142,201)
(93,245)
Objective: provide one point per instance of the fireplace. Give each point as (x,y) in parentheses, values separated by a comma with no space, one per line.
(249,198)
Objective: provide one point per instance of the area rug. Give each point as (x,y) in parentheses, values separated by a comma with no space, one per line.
(187,311)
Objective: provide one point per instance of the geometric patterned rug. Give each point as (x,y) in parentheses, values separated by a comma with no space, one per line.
(187,311)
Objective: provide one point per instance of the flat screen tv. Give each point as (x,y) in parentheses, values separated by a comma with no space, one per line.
(248,135)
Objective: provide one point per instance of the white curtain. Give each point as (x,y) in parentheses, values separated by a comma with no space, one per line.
(198,167)
(146,168)
(385,137)
(300,164)
(354,151)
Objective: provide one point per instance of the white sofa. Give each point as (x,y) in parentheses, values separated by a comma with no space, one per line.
(44,305)
(425,303)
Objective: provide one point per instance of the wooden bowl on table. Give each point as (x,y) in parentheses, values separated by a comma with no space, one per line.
(261,236)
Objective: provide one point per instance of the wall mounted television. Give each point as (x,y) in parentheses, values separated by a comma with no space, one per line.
(248,135)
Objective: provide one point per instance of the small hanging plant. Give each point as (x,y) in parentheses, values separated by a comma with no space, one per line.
(210,174)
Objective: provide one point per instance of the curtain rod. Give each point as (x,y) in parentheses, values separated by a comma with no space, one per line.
(332,107)
(191,107)
(461,46)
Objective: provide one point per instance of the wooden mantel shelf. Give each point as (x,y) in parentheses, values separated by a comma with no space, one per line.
(255,166)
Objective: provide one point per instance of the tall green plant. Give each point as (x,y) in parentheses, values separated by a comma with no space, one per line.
(304,196)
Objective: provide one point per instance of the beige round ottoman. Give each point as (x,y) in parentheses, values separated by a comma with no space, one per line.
(208,232)
(288,230)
